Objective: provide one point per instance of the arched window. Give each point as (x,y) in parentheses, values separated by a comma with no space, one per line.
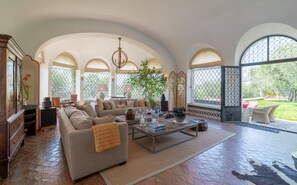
(96,72)
(63,76)
(154,63)
(206,77)
(121,79)
(269,68)
(270,49)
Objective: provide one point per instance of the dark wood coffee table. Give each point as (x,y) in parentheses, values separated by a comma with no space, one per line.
(158,137)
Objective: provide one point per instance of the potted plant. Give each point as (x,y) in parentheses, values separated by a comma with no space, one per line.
(149,81)
(179,114)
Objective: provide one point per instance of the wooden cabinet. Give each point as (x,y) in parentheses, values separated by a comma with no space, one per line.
(11,101)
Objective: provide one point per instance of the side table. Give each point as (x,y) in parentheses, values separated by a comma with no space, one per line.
(48,117)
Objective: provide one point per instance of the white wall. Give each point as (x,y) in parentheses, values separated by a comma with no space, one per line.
(34,37)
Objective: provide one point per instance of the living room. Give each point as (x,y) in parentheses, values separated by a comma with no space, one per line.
(57,49)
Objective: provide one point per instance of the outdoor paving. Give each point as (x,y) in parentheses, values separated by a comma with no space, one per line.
(286,125)
(41,160)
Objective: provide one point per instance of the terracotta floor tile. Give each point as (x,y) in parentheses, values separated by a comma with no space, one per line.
(42,161)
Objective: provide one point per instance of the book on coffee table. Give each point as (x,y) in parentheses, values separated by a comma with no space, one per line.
(157,125)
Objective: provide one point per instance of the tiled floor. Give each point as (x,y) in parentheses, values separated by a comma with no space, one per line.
(41,160)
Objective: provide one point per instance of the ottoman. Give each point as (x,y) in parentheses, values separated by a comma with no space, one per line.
(202,124)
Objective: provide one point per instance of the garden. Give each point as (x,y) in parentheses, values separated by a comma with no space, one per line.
(273,84)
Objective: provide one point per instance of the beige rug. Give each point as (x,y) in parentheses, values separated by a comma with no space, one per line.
(143,164)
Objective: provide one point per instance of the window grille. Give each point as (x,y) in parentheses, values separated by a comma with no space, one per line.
(91,80)
(206,85)
(121,80)
(270,49)
(63,82)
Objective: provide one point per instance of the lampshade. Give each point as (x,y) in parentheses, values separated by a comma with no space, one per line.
(128,88)
(102,87)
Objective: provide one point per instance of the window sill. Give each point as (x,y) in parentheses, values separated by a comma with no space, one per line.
(209,106)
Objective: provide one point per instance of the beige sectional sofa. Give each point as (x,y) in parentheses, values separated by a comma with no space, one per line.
(79,149)
(118,110)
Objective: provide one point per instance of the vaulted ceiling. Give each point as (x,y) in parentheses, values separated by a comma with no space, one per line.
(177,27)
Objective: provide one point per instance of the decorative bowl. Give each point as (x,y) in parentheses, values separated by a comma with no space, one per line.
(179,116)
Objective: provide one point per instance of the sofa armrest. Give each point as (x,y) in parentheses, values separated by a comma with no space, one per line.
(84,158)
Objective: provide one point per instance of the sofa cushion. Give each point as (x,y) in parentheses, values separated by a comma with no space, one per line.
(105,119)
(80,121)
(136,103)
(69,111)
(130,103)
(123,101)
(123,105)
(100,104)
(107,105)
(88,109)
(141,102)
(118,111)
(112,104)
(86,114)
(116,102)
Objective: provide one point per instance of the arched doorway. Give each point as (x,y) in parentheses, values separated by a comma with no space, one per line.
(269,77)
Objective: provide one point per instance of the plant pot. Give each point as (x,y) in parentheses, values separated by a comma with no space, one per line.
(179,116)
(130,114)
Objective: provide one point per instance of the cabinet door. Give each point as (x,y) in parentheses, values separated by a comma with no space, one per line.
(10,71)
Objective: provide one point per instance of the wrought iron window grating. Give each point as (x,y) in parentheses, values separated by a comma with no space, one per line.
(232,87)
(206,85)
(91,81)
(63,82)
(121,80)
(271,48)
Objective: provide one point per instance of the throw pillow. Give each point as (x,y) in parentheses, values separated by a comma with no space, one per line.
(141,103)
(112,104)
(106,105)
(136,103)
(100,104)
(104,119)
(80,121)
(123,105)
(88,109)
(123,101)
(130,103)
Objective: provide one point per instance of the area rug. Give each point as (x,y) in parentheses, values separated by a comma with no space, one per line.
(143,164)
(262,174)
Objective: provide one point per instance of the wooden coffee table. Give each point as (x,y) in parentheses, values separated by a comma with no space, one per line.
(158,137)
(122,118)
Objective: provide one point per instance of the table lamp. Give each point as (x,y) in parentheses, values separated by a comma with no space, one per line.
(128,88)
(102,88)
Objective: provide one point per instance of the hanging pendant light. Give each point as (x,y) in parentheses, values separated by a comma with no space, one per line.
(119,58)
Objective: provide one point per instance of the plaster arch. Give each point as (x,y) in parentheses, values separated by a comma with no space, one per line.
(260,31)
(97,59)
(36,34)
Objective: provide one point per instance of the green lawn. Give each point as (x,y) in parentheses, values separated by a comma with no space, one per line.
(286,110)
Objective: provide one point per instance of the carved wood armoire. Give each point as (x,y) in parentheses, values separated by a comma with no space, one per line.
(11,101)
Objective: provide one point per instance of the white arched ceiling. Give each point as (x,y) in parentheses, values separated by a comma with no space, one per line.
(35,38)
(87,46)
(261,31)
(173,28)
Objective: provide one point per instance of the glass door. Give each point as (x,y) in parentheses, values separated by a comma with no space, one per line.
(10,71)
(19,85)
